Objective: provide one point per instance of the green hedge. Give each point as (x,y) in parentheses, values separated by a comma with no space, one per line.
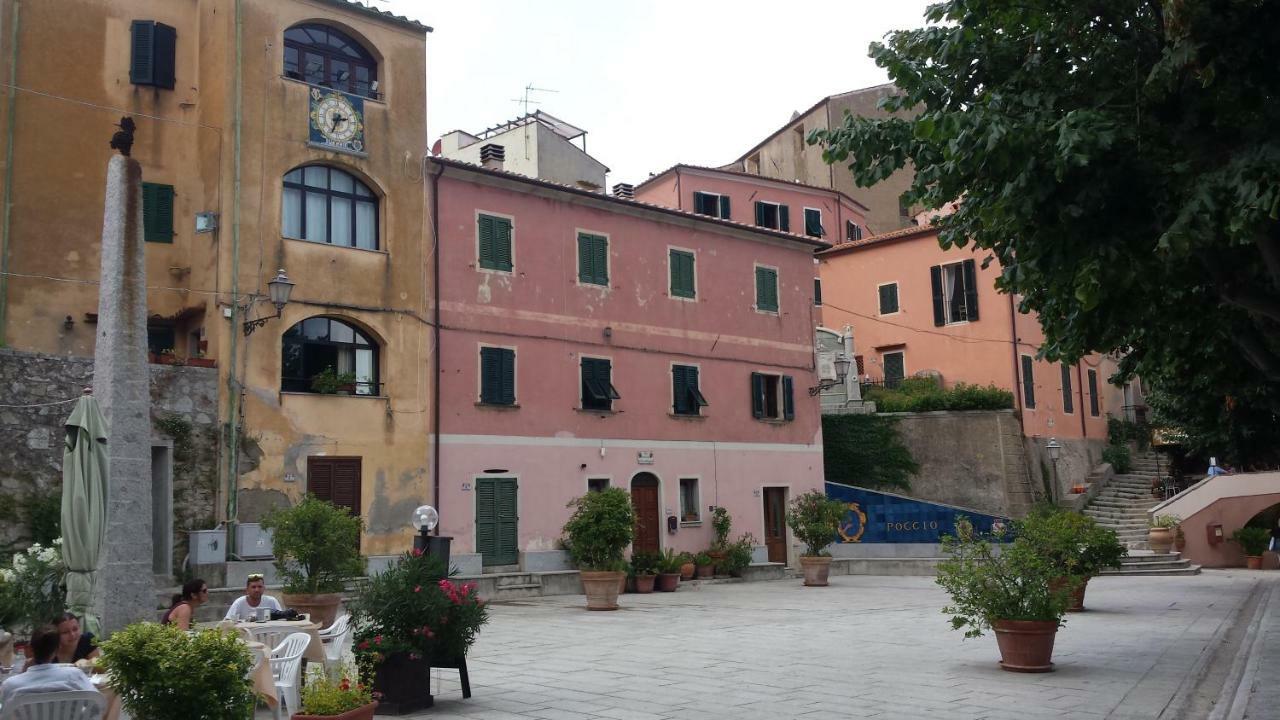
(865,450)
(925,395)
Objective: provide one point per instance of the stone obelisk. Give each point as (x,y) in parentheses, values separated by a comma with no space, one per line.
(121,381)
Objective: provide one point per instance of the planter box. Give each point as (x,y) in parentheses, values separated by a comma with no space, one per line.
(360,713)
(404,684)
(202,362)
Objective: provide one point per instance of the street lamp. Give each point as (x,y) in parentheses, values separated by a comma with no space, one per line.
(841,363)
(1055,451)
(278,289)
(425,519)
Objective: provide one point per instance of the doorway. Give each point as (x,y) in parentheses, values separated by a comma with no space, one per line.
(644,500)
(775,523)
(162,510)
(497,521)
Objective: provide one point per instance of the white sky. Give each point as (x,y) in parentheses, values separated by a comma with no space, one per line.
(654,82)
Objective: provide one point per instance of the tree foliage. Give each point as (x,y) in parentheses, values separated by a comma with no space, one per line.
(1119,160)
(317,546)
(866,450)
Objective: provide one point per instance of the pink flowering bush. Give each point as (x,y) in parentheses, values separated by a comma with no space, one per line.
(415,609)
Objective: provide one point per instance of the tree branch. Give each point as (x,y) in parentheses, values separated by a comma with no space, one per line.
(1270,249)
(1253,304)
(1258,355)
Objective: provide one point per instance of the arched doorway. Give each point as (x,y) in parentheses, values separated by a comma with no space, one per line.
(644,500)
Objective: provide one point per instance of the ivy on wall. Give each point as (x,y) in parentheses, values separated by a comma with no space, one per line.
(865,450)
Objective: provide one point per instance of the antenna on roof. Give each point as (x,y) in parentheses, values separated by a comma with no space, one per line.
(526,101)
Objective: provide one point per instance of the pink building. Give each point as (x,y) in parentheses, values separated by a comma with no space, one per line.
(589,341)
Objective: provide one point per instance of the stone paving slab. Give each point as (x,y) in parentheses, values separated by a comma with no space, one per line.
(866,647)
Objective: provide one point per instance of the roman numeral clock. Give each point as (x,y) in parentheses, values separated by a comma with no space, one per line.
(337,121)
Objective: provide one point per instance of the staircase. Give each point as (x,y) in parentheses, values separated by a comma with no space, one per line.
(1122,506)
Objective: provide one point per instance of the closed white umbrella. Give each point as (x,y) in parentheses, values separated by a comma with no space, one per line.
(84,504)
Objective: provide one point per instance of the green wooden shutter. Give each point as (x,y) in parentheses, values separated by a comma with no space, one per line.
(1068,404)
(784,218)
(486,520)
(502,243)
(788,398)
(585,271)
(593,259)
(970,290)
(508,377)
(935,278)
(490,375)
(141,62)
(157,213)
(724,207)
(759,213)
(485,228)
(766,289)
(497,530)
(682,274)
(1028,382)
(679,391)
(1093,393)
(817,292)
(757,395)
(507,525)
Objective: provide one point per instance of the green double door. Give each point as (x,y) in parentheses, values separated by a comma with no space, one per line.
(496,521)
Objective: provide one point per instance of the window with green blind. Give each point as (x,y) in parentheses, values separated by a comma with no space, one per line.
(495,242)
(1094,410)
(766,289)
(682,274)
(598,392)
(1067,405)
(497,376)
(157,213)
(593,259)
(687,398)
(1028,382)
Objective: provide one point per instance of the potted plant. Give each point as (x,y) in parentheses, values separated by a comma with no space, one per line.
(331,382)
(1160,533)
(814,517)
(1074,544)
(706,567)
(162,673)
(1010,592)
(722,525)
(687,566)
(31,591)
(669,571)
(201,361)
(317,547)
(644,569)
(407,619)
(737,555)
(1253,541)
(340,696)
(597,533)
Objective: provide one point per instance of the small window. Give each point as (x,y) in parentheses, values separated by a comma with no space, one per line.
(753,164)
(152,59)
(325,56)
(888,298)
(712,204)
(817,292)
(895,368)
(1068,405)
(766,289)
(598,392)
(813,223)
(683,281)
(852,231)
(161,338)
(955,293)
(689,501)
(328,356)
(497,376)
(593,259)
(773,216)
(157,213)
(597,484)
(1028,383)
(687,399)
(1094,410)
(494,241)
(772,397)
(327,205)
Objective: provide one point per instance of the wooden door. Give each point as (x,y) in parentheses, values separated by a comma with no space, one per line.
(775,523)
(644,499)
(337,480)
(497,521)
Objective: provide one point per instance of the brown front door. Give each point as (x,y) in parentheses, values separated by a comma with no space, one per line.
(644,499)
(775,523)
(336,479)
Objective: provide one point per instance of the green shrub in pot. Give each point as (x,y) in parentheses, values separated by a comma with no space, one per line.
(317,548)
(1253,540)
(598,532)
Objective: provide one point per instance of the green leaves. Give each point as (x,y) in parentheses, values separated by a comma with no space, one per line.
(866,450)
(814,517)
(317,546)
(162,673)
(600,529)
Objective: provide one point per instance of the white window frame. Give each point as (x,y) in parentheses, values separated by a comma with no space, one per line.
(475,224)
(697,505)
(947,320)
(860,231)
(884,375)
(897,292)
(577,262)
(777,288)
(804,212)
(515,374)
(608,479)
(780,406)
(717,196)
(692,252)
(777,213)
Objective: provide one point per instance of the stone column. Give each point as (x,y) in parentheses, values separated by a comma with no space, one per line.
(121,382)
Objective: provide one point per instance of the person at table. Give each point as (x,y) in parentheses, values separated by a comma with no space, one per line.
(74,644)
(254,597)
(44,674)
(182,609)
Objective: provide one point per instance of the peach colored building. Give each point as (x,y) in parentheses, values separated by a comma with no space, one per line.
(588,341)
(1216,507)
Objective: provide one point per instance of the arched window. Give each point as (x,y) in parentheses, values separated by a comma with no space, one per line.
(324,204)
(325,56)
(326,355)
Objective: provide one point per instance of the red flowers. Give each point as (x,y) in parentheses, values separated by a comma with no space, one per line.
(377,639)
(416,552)
(364,645)
(417,588)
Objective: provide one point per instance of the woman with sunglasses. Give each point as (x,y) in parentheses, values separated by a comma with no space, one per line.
(183,608)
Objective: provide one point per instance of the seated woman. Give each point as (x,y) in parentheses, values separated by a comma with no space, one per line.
(183,608)
(44,674)
(74,644)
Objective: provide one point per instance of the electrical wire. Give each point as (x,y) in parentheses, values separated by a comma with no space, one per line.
(47,404)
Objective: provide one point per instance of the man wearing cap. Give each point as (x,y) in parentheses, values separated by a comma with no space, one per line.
(247,605)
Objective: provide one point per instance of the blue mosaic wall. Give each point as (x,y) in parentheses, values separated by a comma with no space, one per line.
(876,517)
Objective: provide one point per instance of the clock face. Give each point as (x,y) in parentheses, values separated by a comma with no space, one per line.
(336,121)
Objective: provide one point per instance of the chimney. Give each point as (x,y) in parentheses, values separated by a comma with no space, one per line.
(491,156)
(626,191)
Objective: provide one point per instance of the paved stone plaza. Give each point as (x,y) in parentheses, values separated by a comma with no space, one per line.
(866,647)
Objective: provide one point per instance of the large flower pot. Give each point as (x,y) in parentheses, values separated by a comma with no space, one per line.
(1160,540)
(644,583)
(816,570)
(363,712)
(1253,562)
(404,684)
(1077,595)
(323,608)
(687,570)
(622,583)
(706,571)
(601,589)
(668,582)
(1026,645)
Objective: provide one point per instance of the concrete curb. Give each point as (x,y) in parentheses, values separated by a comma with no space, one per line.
(1234,700)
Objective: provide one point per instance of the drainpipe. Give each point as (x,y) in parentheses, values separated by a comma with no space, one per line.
(1017,371)
(435,330)
(232,441)
(12,114)
(679,198)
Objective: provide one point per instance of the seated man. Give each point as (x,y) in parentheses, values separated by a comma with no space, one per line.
(43,674)
(246,605)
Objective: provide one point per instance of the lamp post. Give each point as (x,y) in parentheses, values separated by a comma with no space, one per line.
(425,519)
(278,289)
(1055,451)
(842,362)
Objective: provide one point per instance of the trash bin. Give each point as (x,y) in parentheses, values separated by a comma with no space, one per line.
(434,545)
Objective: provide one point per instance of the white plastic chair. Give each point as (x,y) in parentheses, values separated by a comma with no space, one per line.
(286,668)
(63,705)
(334,638)
(269,636)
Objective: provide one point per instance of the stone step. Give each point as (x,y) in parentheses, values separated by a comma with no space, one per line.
(1116,514)
(1153,558)
(1189,570)
(1171,565)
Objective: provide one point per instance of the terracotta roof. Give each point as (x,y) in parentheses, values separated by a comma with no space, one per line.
(753,176)
(380,14)
(903,234)
(707,219)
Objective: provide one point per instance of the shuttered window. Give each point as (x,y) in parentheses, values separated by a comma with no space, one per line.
(1068,406)
(888,298)
(1028,382)
(817,292)
(335,480)
(687,398)
(682,275)
(813,222)
(705,203)
(1093,393)
(153,47)
(497,376)
(766,289)
(852,231)
(496,521)
(157,213)
(895,368)
(598,392)
(772,397)
(955,293)
(593,259)
(495,242)
(773,215)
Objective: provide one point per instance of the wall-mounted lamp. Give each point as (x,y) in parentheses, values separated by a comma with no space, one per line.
(279,290)
(608,332)
(842,364)
(68,323)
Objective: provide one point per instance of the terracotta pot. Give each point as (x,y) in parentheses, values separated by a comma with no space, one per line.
(405,684)
(816,570)
(601,589)
(687,570)
(1253,562)
(1180,542)
(1076,596)
(644,583)
(322,608)
(706,571)
(205,363)
(668,582)
(622,583)
(1160,540)
(361,713)
(1026,645)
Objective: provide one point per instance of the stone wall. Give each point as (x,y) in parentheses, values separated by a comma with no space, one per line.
(184,412)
